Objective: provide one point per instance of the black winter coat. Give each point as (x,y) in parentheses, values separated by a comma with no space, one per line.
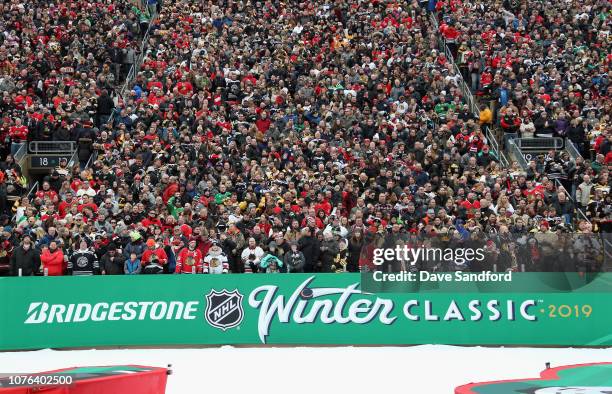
(329,250)
(27,260)
(112,265)
(105,105)
(309,246)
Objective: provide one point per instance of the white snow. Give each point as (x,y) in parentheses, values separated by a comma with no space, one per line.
(416,370)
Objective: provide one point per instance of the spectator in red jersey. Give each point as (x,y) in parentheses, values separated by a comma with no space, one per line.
(189,259)
(151,220)
(47,192)
(154,258)
(510,124)
(18,134)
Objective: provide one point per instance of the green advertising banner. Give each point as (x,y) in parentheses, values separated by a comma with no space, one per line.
(298,309)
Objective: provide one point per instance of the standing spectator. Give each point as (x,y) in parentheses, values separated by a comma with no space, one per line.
(510,124)
(486,116)
(561,125)
(356,243)
(564,207)
(216,261)
(309,246)
(85,137)
(154,258)
(189,260)
(589,254)
(128,58)
(543,125)
(83,261)
(328,251)
(294,259)
(584,191)
(104,108)
(527,128)
(135,246)
(112,263)
(25,260)
(341,259)
(52,259)
(270,264)
(251,256)
(576,133)
(18,134)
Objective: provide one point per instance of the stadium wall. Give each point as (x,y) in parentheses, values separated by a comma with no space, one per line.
(298,309)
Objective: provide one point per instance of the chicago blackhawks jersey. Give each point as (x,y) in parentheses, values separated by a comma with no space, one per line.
(189,261)
(216,263)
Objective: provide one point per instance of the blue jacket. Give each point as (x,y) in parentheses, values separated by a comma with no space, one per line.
(504,96)
(131,268)
(130,248)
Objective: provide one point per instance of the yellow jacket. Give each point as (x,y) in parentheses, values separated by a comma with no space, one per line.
(486,116)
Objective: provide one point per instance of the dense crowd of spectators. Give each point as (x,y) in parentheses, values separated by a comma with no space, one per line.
(279,137)
(542,68)
(60,63)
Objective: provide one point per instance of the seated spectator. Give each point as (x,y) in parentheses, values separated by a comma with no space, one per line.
(132,265)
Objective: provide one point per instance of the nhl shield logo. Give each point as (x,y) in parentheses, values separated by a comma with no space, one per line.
(224,309)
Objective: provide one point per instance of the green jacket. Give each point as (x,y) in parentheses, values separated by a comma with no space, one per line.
(142,16)
(174,210)
(442,108)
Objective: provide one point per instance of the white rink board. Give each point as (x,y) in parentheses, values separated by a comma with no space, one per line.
(429,369)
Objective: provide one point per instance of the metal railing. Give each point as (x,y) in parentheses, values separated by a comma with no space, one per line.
(492,141)
(138,62)
(128,80)
(91,159)
(519,157)
(515,151)
(515,147)
(579,211)
(465,90)
(74,159)
(467,94)
(607,251)
(571,149)
(42,147)
(540,144)
(33,190)
(53,147)
(21,153)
